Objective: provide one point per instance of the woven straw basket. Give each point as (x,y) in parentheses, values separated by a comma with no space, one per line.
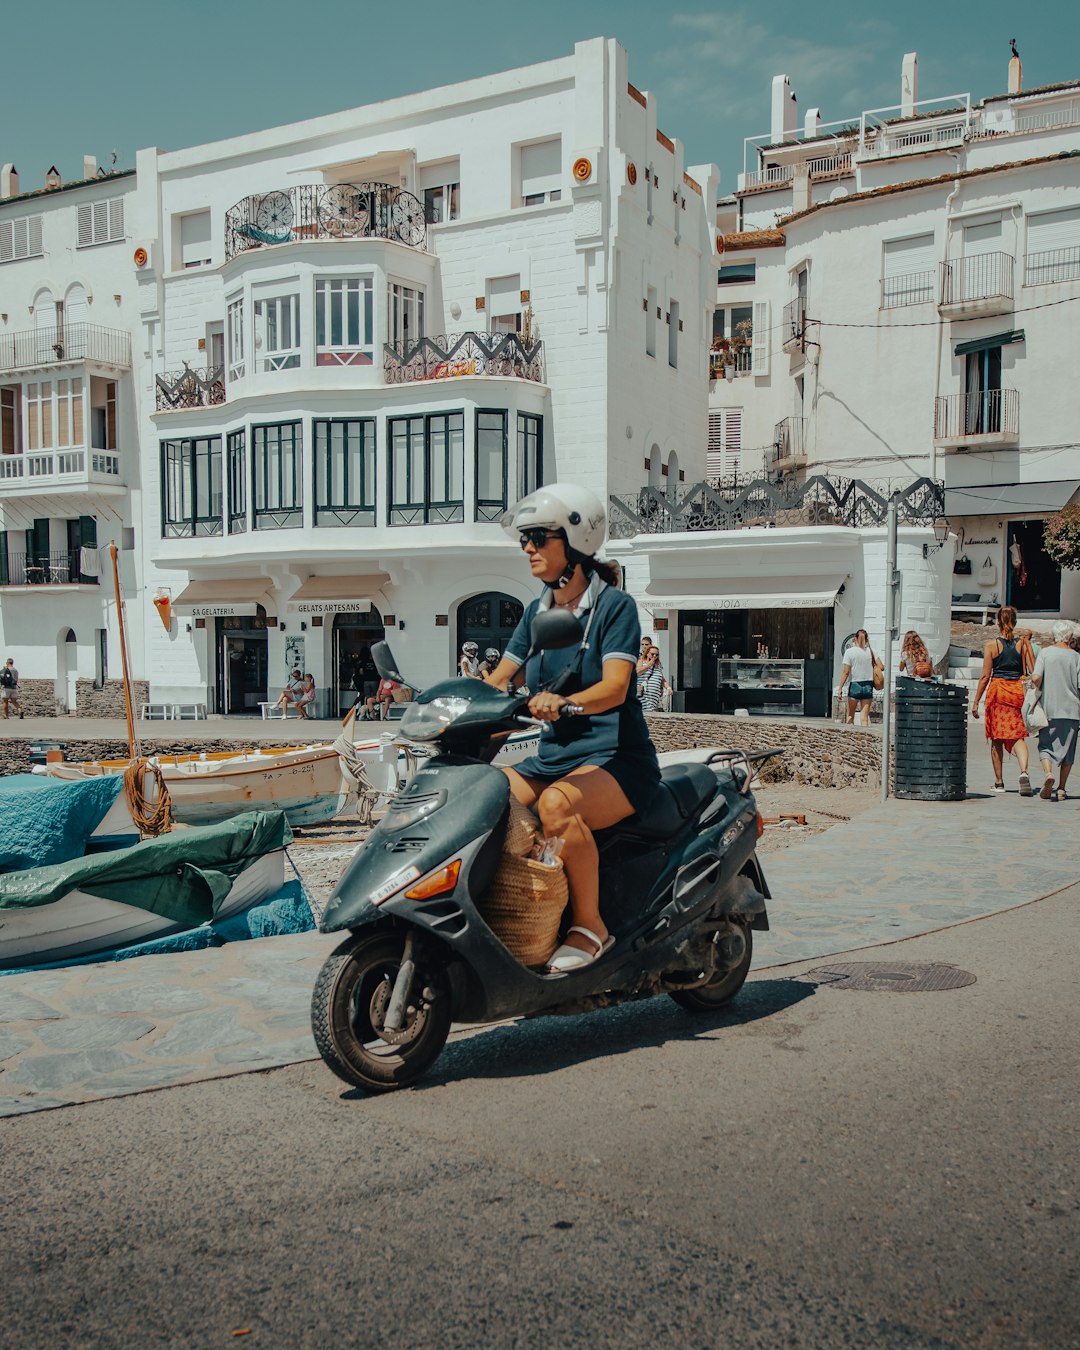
(524,906)
(520,830)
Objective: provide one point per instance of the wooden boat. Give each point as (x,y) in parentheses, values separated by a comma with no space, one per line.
(92,902)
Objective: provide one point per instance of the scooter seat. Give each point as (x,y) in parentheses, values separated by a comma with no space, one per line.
(683,791)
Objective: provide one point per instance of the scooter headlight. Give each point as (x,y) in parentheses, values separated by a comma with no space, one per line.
(427,721)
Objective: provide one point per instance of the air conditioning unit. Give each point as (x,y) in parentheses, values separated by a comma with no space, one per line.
(585,168)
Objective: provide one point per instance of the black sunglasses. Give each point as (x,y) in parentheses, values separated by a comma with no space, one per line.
(538,537)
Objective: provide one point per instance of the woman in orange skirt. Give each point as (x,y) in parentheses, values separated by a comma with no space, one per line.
(1006,662)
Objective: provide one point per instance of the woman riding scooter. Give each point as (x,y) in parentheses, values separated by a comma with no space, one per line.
(592,771)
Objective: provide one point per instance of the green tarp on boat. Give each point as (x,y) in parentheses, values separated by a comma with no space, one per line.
(183,876)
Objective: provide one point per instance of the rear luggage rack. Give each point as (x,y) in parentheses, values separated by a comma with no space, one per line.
(739,762)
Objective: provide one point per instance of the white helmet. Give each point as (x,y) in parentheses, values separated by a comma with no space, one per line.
(492,654)
(575,510)
(469,648)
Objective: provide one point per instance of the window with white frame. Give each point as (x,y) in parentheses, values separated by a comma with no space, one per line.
(195,240)
(540,172)
(39,416)
(20,238)
(277,332)
(1053,247)
(530,453)
(405,317)
(69,413)
(908,271)
(724,453)
(504,304)
(345,321)
(11,419)
(234,337)
(440,186)
(101,222)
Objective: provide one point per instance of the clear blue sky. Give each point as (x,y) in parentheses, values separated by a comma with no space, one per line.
(122,74)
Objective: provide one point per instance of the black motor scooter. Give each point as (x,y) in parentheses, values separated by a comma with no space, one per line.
(680,885)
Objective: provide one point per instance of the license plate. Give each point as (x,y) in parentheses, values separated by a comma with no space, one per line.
(395,883)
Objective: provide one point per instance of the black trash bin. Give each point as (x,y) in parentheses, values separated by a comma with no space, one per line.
(931,741)
(39,751)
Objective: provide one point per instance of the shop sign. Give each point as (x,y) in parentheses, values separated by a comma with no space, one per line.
(223,611)
(360,603)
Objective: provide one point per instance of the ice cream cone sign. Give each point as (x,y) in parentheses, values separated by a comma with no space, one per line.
(163,605)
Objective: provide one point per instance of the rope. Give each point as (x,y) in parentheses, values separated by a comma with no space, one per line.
(151,818)
(352,766)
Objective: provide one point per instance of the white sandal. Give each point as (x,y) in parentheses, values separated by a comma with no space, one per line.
(566,958)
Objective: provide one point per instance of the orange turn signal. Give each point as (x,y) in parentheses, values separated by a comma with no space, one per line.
(760,825)
(445,879)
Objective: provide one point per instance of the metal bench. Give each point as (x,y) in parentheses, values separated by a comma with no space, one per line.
(154,711)
(191,712)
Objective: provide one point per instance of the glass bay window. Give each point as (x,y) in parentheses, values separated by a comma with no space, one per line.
(191,487)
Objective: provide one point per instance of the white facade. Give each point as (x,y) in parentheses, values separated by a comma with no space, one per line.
(70,476)
(917,271)
(294,259)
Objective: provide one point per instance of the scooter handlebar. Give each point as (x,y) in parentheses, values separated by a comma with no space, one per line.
(566,710)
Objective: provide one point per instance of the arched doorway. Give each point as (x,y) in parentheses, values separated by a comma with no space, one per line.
(242,659)
(488,620)
(67,669)
(354,633)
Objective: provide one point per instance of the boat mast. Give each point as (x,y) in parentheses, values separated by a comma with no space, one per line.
(133,744)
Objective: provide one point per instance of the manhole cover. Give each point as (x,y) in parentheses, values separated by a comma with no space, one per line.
(897,977)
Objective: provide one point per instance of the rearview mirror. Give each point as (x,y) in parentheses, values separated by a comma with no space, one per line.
(554,628)
(385,663)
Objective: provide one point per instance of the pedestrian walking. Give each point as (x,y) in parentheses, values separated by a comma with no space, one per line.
(1007,659)
(1057,674)
(651,681)
(9,688)
(858,674)
(914,658)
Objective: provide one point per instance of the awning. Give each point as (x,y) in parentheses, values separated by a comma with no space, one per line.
(337,595)
(1006,499)
(745,593)
(224,598)
(984,344)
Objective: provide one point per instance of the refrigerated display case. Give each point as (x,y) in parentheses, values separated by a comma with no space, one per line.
(761,685)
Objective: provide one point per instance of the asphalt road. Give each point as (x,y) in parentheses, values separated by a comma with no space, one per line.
(816,1168)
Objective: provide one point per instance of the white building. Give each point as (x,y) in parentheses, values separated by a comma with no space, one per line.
(912,276)
(69,463)
(321,461)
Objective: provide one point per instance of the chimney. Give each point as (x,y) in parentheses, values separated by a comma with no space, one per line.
(9,181)
(89,166)
(909,84)
(812,125)
(785,110)
(52,178)
(1016,75)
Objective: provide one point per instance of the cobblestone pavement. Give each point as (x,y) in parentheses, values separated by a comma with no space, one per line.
(94,1031)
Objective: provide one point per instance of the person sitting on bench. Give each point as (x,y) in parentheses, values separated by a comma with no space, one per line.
(291,693)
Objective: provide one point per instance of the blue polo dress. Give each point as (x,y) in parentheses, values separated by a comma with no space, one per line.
(617,740)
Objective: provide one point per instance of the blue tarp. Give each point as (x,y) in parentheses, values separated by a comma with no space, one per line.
(44,821)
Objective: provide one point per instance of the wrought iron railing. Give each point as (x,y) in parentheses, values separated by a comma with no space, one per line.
(64,342)
(739,362)
(794,324)
(321,211)
(449,355)
(983,276)
(1052,264)
(789,441)
(994,412)
(913,288)
(58,567)
(740,501)
(190,388)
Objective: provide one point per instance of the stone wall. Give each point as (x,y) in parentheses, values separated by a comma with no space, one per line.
(38,698)
(815,754)
(108,701)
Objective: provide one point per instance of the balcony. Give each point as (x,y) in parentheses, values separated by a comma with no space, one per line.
(35,348)
(451,356)
(772,176)
(42,471)
(1052,265)
(824,167)
(788,450)
(189,388)
(981,284)
(910,288)
(883,136)
(339,211)
(974,421)
(56,568)
(793,326)
(730,363)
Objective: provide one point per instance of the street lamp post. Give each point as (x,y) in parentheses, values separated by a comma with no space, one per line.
(892,630)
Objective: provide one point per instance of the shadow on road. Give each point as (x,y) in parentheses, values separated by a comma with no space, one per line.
(548,1044)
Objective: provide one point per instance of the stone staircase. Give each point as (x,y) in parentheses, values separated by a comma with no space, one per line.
(965,667)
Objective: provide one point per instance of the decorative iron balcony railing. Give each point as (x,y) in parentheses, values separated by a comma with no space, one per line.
(740,501)
(449,355)
(983,276)
(961,417)
(55,568)
(789,441)
(64,342)
(320,211)
(190,388)
(1052,264)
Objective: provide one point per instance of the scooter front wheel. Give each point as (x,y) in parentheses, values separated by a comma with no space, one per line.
(736,942)
(349,1004)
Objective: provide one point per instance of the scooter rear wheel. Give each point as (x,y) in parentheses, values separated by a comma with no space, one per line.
(723,987)
(349,999)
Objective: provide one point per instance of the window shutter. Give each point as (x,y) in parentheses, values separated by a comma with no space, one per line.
(724,453)
(7,240)
(100,217)
(110,415)
(8,422)
(905,256)
(116,219)
(195,235)
(86,225)
(33,242)
(541,167)
(761,340)
(1054,229)
(21,237)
